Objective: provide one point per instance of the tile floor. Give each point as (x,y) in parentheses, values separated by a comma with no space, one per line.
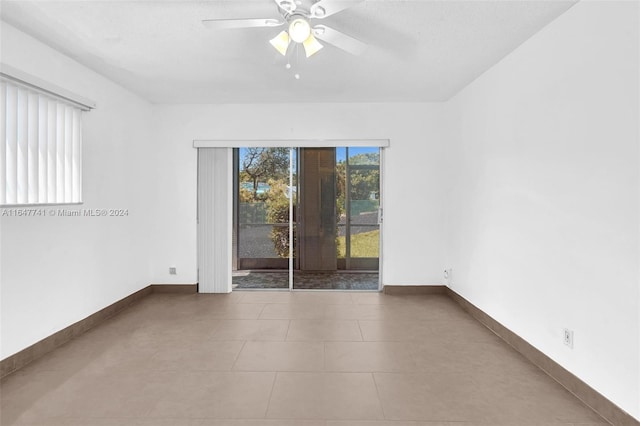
(288,359)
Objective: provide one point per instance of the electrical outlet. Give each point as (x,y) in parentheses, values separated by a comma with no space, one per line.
(567,337)
(448,275)
(173,270)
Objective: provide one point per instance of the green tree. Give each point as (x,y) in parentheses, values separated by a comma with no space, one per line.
(278,212)
(372,158)
(365,184)
(261,164)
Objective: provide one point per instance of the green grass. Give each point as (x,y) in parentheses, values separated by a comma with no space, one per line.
(366,244)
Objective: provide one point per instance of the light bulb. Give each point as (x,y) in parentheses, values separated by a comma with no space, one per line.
(299,30)
(297,76)
(288,66)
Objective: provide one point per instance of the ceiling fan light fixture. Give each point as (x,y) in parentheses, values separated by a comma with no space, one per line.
(281,42)
(299,30)
(319,12)
(311,46)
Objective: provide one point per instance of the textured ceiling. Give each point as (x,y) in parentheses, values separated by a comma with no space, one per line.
(418,50)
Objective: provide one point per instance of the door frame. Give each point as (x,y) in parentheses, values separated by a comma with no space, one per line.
(207,240)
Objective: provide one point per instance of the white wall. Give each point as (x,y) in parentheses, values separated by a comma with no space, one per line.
(543,204)
(55,271)
(413,172)
(533,168)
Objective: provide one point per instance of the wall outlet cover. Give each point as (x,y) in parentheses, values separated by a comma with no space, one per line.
(567,337)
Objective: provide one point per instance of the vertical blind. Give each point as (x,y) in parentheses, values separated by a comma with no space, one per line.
(41,149)
(215,219)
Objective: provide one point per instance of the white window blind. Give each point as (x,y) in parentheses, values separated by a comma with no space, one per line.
(41,149)
(215,219)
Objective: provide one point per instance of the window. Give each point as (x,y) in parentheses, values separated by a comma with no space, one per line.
(41,148)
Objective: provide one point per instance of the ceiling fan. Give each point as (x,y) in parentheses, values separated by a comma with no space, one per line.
(298,15)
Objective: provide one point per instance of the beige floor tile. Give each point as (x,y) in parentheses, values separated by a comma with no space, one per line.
(439,332)
(379,298)
(281,356)
(158,332)
(519,423)
(368,298)
(21,391)
(322,297)
(470,357)
(172,305)
(209,298)
(232,311)
(123,356)
(436,423)
(251,330)
(222,395)
(533,397)
(203,355)
(114,421)
(421,396)
(435,311)
(324,396)
(265,296)
(292,311)
(375,423)
(256,422)
(369,356)
(69,357)
(201,360)
(465,329)
(324,330)
(395,330)
(125,395)
(354,312)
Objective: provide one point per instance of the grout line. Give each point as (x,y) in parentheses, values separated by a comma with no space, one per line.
(375,383)
(273,385)
(352,299)
(324,356)
(262,310)
(235,361)
(360,328)
(286,335)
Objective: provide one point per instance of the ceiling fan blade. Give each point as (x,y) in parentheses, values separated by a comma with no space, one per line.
(241,23)
(325,8)
(339,40)
(287,5)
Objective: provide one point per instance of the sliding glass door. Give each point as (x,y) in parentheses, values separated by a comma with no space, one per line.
(359,203)
(306,218)
(261,217)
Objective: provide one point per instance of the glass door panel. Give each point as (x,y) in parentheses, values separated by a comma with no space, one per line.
(363,183)
(339,199)
(261,229)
